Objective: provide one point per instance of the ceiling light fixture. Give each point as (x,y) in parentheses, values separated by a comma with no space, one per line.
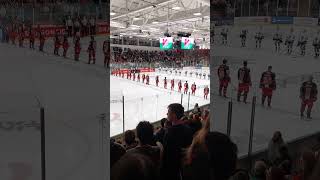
(112,13)
(197,14)
(176,8)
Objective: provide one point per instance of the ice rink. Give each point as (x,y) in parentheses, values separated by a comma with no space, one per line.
(149,102)
(291,71)
(73,95)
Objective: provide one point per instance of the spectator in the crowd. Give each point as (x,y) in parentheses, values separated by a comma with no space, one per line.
(316,147)
(116,152)
(130,139)
(196,109)
(160,133)
(259,171)
(215,159)
(275,173)
(146,143)
(307,164)
(283,156)
(134,166)
(195,123)
(274,146)
(241,175)
(316,171)
(176,139)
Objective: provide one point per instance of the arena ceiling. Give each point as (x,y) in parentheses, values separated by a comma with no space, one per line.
(152,18)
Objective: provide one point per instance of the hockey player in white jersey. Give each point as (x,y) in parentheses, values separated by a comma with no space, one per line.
(243,36)
(302,41)
(258,37)
(224,36)
(316,45)
(277,38)
(289,41)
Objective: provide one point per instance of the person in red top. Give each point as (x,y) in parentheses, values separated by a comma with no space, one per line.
(13,36)
(193,89)
(147,79)
(224,78)
(308,95)
(106,52)
(172,84)
(65,46)
(186,87)
(179,86)
(77,49)
(42,40)
(206,92)
(244,82)
(138,77)
(143,78)
(165,82)
(130,74)
(56,43)
(92,50)
(267,84)
(157,80)
(31,39)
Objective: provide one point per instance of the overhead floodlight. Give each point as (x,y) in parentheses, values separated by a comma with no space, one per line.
(136,18)
(197,14)
(155,22)
(112,13)
(176,8)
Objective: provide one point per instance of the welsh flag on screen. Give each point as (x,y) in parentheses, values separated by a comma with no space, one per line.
(187,43)
(166,43)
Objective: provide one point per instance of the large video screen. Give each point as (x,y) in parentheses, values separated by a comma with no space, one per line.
(166,43)
(187,43)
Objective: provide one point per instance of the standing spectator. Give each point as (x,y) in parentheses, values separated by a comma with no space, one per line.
(214,157)
(307,164)
(130,140)
(274,146)
(178,137)
(195,123)
(283,156)
(116,152)
(160,133)
(146,143)
(275,173)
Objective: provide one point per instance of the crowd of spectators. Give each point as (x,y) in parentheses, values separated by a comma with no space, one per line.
(183,148)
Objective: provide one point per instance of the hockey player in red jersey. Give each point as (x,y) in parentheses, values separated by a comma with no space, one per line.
(65,46)
(172,84)
(157,81)
(244,82)
(42,40)
(31,39)
(193,89)
(308,95)
(134,77)
(13,36)
(143,77)
(224,78)
(77,49)
(147,79)
(92,50)
(138,77)
(56,44)
(106,52)
(186,88)
(206,92)
(179,86)
(165,82)
(268,85)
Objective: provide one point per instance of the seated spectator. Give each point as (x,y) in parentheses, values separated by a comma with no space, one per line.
(216,159)
(146,143)
(130,140)
(275,173)
(307,164)
(195,123)
(241,175)
(259,171)
(274,146)
(134,166)
(316,171)
(283,156)
(177,138)
(116,152)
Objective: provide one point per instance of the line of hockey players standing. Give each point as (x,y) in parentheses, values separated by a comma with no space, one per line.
(60,41)
(146,78)
(308,89)
(278,40)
